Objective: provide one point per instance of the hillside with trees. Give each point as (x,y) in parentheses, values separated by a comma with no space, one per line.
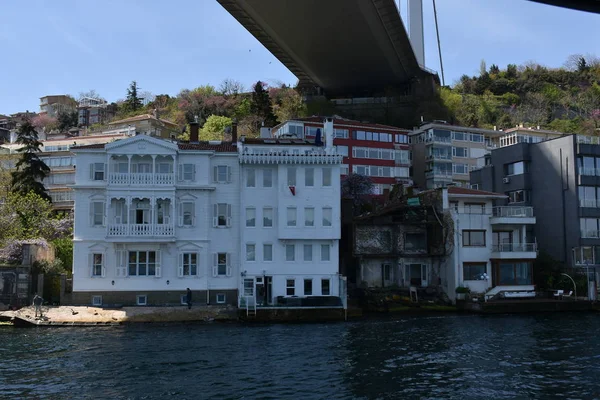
(565,99)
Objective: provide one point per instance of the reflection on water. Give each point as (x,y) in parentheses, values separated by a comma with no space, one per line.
(437,357)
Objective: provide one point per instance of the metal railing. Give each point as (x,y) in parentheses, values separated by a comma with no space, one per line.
(439,139)
(590,203)
(118,178)
(514,247)
(590,171)
(438,174)
(592,234)
(442,157)
(512,212)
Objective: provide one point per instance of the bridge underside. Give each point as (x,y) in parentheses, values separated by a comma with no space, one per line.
(344,47)
(581,5)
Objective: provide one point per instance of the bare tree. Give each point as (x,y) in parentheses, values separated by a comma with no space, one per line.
(90,93)
(231,87)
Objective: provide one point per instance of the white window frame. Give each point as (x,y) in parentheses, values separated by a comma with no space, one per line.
(327,173)
(138,299)
(327,211)
(272,211)
(307,255)
(292,217)
(182,214)
(309,212)
(217,265)
(267,172)
(157,256)
(270,246)
(328,286)
(221,220)
(94,265)
(96,169)
(94,213)
(309,177)
(250,252)
(304,286)
(288,286)
(293,253)
(291,176)
(328,252)
(222,174)
(96,300)
(250,178)
(187,172)
(251,212)
(186,260)
(221,298)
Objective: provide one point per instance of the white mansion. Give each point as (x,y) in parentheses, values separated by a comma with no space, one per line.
(252,222)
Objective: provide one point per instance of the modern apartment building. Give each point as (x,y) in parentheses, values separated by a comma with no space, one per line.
(378,151)
(94,111)
(560,178)
(443,154)
(52,105)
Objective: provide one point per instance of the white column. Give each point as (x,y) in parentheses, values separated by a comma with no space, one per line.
(172,216)
(106,210)
(128,202)
(415,29)
(153,169)
(129,168)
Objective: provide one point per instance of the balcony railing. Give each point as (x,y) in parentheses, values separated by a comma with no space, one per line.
(440,157)
(438,174)
(438,139)
(514,247)
(513,212)
(590,171)
(142,179)
(590,203)
(591,234)
(140,230)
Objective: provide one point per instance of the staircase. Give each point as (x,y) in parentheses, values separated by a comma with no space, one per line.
(250,306)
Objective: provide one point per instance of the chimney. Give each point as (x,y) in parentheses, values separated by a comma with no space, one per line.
(328,128)
(194,126)
(234,137)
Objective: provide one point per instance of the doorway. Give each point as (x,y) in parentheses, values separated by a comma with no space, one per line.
(264,290)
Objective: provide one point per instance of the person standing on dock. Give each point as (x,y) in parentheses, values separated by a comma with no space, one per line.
(37,302)
(189,298)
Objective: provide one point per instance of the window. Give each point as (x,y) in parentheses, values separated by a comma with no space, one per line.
(308,287)
(189,264)
(141,300)
(308,252)
(325,287)
(589,196)
(267,252)
(309,216)
(290,287)
(587,165)
(401,138)
(97,301)
(143,263)
(250,252)
(476,137)
(251,217)
(290,252)
(344,170)
(327,216)
(387,272)
(291,176)
(518,196)
(516,168)
(97,213)
(474,208)
(415,242)
(340,133)
(267,175)
(222,215)
(187,214)
(360,135)
(589,227)
(460,152)
(97,171)
(291,216)
(222,174)
(183,299)
(221,298)
(460,168)
(514,273)
(309,177)
(325,252)
(250,178)
(342,150)
(187,172)
(248,287)
(267,217)
(474,271)
(460,136)
(97,266)
(472,238)
(326,176)
(221,265)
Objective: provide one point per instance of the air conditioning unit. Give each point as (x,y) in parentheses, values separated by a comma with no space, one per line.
(506,179)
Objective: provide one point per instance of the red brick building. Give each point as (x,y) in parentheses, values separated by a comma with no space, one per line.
(378,151)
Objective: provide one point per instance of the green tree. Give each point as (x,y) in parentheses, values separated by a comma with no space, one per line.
(215,127)
(287,103)
(30,169)
(67,120)
(133,102)
(26,216)
(261,106)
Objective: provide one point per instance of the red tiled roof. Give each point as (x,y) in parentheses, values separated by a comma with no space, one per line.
(471,192)
(348,122)
(223,147)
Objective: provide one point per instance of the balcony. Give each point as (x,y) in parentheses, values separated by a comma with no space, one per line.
(589,203)
(439,140)
(439,174)
(512,215)
(590,234)
(140,230)
(439,157)
(514,250)
(141,179)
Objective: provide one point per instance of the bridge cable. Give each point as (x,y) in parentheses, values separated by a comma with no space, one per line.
(437,31)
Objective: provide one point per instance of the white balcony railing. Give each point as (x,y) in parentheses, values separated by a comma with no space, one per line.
(590,203)
(514,247)
(513,212)
(141,179)
(140,230)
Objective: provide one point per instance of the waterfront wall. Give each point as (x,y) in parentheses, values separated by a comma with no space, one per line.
(155,298)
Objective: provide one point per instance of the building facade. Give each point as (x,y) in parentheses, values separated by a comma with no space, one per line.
(152,219)
(560,178)
(53,105)
(148,124)
(378,151)
(290,203)
(91,111)
(443,154)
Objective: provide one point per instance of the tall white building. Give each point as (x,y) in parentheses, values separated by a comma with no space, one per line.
(291,205)
(152,218)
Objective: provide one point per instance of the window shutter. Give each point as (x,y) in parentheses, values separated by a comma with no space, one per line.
(180,266)
(194,214)
(92,171)
(215,264)
(103,265)
(228,214)
(158,268)
(180,213)
(180,172)
(215,215)
(194,173)
(91,205)
(229,174)
(105,174)
(215,174)
(103,214)
(121,263)
(91,263)
(198,265)
(228,264)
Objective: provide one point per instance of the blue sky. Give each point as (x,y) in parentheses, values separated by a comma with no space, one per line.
(70,46)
